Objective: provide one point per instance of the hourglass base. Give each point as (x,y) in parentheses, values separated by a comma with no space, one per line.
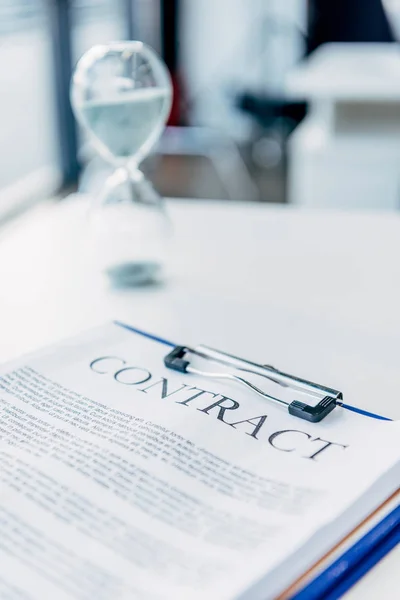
(131,230)
(134,274)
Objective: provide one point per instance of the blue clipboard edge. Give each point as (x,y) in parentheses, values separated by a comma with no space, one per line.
(161,340)
(355,562)
(368,562)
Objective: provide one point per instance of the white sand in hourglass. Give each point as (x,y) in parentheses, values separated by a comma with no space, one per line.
(125,123)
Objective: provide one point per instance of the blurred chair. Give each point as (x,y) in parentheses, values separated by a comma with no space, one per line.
(276,116)
(274,113)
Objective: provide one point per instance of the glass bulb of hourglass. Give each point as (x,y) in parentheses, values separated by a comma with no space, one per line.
(121,94)
(123,126)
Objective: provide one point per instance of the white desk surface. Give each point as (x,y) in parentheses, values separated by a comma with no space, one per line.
(316,293)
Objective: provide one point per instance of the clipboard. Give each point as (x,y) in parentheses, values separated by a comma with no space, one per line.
(353,564)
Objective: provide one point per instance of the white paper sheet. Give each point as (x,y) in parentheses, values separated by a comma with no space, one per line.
(122,479)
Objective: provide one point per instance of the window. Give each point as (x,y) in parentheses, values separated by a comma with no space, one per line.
(28,142)
(38,48)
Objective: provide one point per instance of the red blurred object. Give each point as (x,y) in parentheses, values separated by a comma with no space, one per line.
(176,116)
(170,53)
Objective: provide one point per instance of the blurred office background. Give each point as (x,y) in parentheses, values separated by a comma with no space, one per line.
(266,109)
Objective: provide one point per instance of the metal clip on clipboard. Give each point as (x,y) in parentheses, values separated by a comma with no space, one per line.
(178,359)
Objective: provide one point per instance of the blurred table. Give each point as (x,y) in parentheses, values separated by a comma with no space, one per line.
(346,152)
(316,293)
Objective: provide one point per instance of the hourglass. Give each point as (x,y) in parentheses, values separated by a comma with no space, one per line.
(121,94)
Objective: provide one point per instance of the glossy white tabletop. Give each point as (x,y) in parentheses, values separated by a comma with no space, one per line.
(314,293)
